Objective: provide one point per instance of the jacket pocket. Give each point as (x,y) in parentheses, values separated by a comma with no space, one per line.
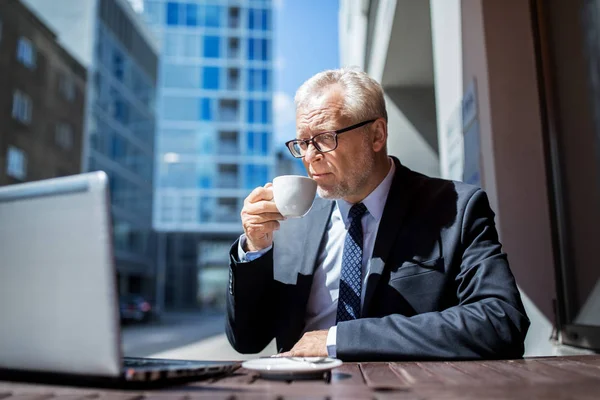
(415,267)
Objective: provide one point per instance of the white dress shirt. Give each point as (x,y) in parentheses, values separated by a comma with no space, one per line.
(321,310)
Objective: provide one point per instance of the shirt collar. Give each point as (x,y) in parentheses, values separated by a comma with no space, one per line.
(375,201)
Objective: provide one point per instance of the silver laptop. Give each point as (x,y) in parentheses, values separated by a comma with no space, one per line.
(59,310)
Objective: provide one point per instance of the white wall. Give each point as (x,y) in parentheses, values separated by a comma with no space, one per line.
(448,75)
(353,32)
(406,143)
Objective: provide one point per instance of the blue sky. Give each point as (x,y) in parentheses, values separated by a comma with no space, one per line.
(306,42)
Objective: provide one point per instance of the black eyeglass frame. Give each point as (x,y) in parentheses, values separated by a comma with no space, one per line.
(290,143)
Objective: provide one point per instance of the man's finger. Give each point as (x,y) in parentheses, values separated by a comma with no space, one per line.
(260,207)
(258,194)
(265,227)
(260,218)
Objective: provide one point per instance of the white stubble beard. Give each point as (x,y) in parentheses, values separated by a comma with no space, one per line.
(362,168)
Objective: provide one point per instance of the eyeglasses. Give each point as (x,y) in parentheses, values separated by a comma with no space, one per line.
(323,142)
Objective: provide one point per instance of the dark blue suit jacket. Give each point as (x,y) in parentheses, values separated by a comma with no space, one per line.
(440,286)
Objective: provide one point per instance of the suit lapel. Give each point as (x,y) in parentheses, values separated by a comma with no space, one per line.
(314,234)
(394,212)
(297,243)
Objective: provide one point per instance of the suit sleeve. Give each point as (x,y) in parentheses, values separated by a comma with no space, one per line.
(249,324)
(489,321)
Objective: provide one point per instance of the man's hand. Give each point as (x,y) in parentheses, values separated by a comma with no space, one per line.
(260,218)
(312,344)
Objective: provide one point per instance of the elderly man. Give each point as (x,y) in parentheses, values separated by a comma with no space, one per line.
(389,264)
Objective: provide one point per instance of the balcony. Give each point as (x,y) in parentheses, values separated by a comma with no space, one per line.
(233,18)
(228,143)
(233,48)
(233,79)
(228,111)
(227,177)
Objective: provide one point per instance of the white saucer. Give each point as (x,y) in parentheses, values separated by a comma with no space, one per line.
(292,367)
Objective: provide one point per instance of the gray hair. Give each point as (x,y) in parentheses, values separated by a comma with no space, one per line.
(363,95)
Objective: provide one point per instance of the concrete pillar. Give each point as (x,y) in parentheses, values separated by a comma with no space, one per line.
(499,54)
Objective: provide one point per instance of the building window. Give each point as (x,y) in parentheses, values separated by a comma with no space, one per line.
(250,111)
(251,51)
(26,53)
(188,210)
(22,107)
(210,78)
(191,46)
(191,14)
(258,49)
(118,69)
(257,143)
(205,176)
(256,175)
(213,16)
(265,20)
(264,49)
(181,76)
(251,19)
(16,163)
(64,135)
(206,112)
(207,209)
(265,112)
(265,80)
(265,143)
(172,13)
(258,19)
(211,46)
(258,80)
(66,87)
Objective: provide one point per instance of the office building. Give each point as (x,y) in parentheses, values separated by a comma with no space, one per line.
(214,136)
(42,100)
(121,59)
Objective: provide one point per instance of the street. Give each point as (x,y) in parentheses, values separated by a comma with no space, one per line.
(183,335)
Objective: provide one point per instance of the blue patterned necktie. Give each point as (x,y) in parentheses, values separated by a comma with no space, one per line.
(351,277)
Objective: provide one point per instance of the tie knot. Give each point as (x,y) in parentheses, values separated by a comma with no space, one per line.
(357,211)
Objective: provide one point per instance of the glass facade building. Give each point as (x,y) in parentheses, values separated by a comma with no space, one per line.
(214,136)
(121,59)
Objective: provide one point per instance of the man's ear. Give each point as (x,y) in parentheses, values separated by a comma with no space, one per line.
(380,134)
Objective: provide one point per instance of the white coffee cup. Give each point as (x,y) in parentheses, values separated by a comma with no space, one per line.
(294,195)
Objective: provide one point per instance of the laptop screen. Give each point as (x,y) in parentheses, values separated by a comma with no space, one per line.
(57,277)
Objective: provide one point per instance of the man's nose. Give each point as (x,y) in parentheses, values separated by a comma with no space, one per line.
(312,153)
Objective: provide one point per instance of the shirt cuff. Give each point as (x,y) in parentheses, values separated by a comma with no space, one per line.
(251,255)
(331,342)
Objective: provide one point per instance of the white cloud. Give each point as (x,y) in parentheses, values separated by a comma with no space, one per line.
(285,116)
(279,63)
(283,105)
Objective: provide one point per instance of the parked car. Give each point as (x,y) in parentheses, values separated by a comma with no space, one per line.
(135,308)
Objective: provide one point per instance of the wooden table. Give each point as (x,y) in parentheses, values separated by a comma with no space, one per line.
(576,377)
